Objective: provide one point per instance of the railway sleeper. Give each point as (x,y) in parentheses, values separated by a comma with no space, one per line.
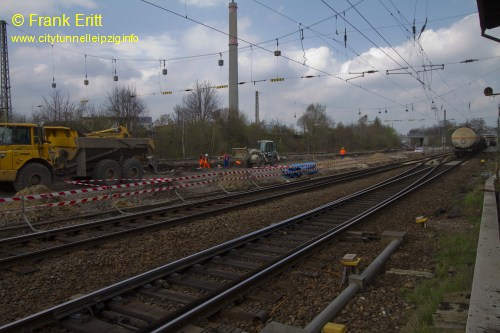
(134,309)
(227,275)
(25,270)
(236,263)
(67,239)
(271,249)
(341,217)
(194,283)
(253,255)
(14,251)
(307,233)
(315,228)
(327,221)
(296,237)
(359,236)
(240,313)
(287,244)
(94,325)
(169,295)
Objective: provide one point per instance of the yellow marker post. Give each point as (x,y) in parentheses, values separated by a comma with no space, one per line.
(334,328)
(421,219)
(352,261)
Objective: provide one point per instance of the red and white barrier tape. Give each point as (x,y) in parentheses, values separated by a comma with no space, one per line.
(127,185)
(120,195)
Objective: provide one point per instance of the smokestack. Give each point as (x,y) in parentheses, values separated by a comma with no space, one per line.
(233,56)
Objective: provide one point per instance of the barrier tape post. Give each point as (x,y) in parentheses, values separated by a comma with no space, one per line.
(25,217)
(119,210)
(252,179)
(180,197)
(222,187)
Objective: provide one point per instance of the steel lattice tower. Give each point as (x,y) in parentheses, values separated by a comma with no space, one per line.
(5,101)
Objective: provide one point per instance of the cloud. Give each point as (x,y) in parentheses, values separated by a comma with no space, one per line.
(193,53)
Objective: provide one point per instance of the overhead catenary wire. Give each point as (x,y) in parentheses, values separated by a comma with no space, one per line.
(423,84)
(346,47)
(378,47)
(424,54)
(264,49)
(117,58)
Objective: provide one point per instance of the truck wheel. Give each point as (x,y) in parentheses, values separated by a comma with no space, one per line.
(31,175)
(107,171)
(132,170)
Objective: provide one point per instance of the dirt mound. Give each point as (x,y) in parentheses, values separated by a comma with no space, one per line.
(378,158)
(12,212)
(37,189)
(338,164)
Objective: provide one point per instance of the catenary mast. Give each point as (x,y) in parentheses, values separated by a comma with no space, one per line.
(5,100)
(233,56)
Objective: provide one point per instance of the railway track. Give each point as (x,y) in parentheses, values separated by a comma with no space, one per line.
(31,247)
(166,298)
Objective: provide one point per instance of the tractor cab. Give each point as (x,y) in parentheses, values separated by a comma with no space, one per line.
(267,147)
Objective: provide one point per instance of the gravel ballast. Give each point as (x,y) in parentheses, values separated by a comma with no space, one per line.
(380,308)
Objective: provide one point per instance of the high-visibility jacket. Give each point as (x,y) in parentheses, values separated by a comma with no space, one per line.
(206,165)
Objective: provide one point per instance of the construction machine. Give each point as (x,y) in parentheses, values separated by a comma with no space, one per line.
(266,154)
(33,155)
(113,132)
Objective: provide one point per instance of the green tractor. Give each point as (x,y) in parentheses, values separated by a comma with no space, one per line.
(266,154)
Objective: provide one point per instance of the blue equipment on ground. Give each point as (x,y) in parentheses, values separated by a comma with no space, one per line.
(299,169)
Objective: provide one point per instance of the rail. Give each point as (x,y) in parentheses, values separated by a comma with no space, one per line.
(304,233)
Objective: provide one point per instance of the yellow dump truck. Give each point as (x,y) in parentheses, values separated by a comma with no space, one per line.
(33,155)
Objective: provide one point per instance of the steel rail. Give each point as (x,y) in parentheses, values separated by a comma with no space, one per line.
(215,302)
(169,221)
(93,299)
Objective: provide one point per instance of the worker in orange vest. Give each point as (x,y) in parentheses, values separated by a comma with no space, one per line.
(206,164)
(201,161)
(342,152)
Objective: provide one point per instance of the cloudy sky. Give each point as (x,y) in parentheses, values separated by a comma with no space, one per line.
(362,56)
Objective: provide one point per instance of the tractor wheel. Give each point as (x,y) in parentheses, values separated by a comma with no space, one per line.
(107,171)
(31,175)
(132,170)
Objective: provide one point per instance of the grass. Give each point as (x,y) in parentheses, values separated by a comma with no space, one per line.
(454,265)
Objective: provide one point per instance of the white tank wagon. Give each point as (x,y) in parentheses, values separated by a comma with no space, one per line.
(466,141)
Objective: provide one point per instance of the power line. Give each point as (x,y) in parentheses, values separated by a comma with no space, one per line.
(270,51)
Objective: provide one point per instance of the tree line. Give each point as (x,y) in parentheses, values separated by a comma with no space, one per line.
(201,125)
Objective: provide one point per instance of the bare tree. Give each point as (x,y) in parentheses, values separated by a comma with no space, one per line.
(195,119)
(164,119)
(201,103)
(56,109)
(315,117)
(125,107)
(315,124)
